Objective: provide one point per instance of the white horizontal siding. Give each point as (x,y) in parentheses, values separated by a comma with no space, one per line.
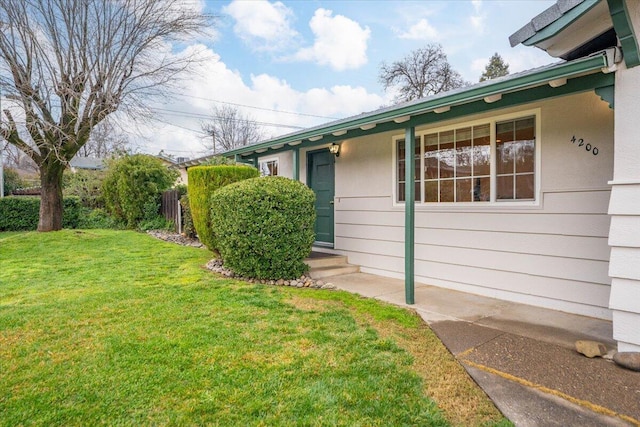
(625,231)
(525,263)
(532,223)
(577,202)
(625,295)
(555,255)
(625,263)
(625,330)
(590,248)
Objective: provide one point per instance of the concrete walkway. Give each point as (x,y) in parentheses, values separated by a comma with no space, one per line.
(523,357)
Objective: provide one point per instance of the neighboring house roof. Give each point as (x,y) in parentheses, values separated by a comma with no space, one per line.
(90,163)
(575,28)
(543,82)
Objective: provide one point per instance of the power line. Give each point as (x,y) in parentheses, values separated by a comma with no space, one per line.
(257,108)
(209,117)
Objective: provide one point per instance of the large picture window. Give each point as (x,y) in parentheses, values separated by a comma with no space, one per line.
(477,163)
(457,165)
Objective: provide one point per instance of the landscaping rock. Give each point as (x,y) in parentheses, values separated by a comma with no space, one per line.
(175,238)
(217,266)
(628,359)
(591,348)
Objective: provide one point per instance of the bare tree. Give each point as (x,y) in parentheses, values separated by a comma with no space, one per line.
(106,140)
(230,129)
(65,65)
(423,72)
(14,158)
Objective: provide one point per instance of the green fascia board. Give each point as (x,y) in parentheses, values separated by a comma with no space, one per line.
(526,80)
(577,85)
(561,23)
(624,30)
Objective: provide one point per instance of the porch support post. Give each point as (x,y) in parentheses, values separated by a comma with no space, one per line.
(296,164)
(255,162)
(237,158)
(409,211)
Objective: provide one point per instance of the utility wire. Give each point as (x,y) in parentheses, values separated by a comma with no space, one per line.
(257,108)
(209,117)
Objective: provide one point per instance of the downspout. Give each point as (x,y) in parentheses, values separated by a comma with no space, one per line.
(409,213)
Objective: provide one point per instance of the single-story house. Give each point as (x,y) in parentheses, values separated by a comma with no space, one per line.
(524,188)
(86,163)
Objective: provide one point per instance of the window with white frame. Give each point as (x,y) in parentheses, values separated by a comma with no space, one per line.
(268,167)
(479,163)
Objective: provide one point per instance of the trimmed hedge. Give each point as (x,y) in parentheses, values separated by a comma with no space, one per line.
(203,182)
(264,226)
(23,213)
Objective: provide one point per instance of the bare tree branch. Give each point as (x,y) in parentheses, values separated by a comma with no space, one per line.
(230,129)
(66,65)
(423,72)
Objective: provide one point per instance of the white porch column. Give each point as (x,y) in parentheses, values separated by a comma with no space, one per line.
(624,206)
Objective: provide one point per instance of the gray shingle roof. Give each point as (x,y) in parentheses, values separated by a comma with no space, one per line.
(544,19)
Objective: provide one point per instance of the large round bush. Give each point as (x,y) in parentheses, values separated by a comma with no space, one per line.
(133,187)
(264,226)
(203,182)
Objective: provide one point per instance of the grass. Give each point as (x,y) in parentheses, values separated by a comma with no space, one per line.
(115,327)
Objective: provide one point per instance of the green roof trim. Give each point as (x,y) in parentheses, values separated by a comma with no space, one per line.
(561,23)
(607,94)
(508,86)
(624,30)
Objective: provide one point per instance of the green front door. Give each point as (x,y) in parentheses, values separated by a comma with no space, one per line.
(321,179)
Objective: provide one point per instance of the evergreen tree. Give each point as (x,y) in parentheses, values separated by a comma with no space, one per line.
(495,68)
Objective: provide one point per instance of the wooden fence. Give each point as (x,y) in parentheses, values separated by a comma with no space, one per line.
(170,208)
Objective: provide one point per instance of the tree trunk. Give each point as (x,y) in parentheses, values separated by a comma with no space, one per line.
(51,196)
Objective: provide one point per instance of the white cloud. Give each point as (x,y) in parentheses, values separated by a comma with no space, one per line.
(478,65)
(421,30)
(340,42)
(477,5)
(178,131)
(525,58)
(262,25)
(477,20)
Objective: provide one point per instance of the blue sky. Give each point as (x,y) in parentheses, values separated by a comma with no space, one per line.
(288,62)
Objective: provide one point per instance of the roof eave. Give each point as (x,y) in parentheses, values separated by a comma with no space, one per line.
(571,69)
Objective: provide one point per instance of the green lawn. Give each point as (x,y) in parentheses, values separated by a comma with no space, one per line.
(113,327)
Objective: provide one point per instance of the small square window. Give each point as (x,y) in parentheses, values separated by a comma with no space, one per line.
(269,167)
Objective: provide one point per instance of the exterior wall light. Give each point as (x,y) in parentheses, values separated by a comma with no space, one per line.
(335,149)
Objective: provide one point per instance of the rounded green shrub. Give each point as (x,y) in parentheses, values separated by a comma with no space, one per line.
(264,227)
(133,184)
(203,182)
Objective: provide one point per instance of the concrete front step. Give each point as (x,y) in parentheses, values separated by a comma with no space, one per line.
(326,265)
(333,270)
(326,261)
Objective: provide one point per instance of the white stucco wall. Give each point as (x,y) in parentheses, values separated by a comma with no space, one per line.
(285,162)
(624,208)
(551,253)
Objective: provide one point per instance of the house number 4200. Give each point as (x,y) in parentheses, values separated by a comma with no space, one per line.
(580,143)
